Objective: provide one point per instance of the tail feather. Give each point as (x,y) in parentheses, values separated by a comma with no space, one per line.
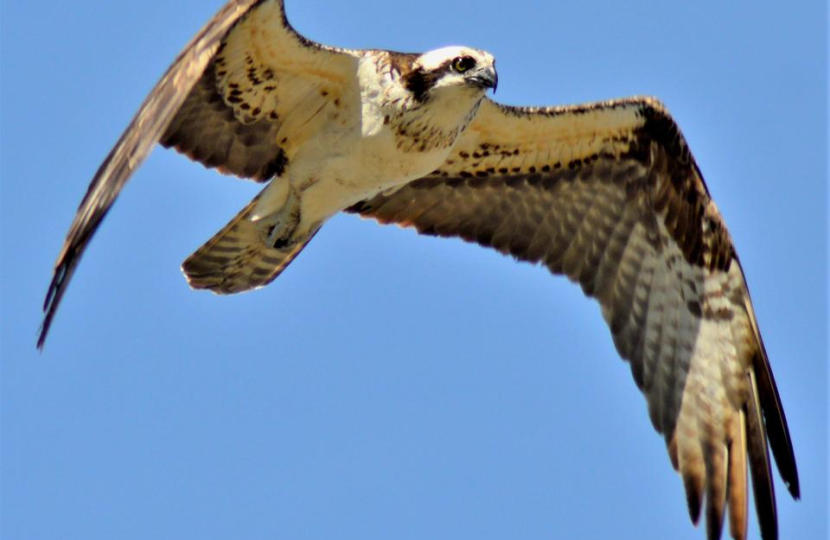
(241,257)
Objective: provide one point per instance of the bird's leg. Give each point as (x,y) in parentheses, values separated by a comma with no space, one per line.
(283,224)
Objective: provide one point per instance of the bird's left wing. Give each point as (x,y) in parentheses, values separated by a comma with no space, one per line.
(609,195)
(229,112)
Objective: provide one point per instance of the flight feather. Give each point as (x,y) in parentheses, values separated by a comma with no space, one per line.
(609,195)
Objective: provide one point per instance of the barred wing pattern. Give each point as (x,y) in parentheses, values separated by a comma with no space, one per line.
(239,97)
(609,195)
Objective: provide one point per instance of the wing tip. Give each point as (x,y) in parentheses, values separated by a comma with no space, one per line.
(41,336)
(694,495)
(775,421)
(760,470)
(57,286)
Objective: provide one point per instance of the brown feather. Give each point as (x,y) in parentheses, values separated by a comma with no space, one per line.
(134,146)
(206,130)
(212,107)
(736,483)
(240,257)
(609,195)
(776,423)
(759,464)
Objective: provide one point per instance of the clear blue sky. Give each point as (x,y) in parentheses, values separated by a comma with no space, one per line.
(387,385)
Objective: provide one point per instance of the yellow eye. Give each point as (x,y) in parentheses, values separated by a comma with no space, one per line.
(463,63)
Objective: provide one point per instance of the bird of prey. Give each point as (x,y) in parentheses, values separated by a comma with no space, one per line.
(606,193)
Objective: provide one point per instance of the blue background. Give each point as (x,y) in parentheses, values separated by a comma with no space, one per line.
(387,385)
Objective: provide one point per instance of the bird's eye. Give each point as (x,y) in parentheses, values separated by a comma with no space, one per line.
(463,63)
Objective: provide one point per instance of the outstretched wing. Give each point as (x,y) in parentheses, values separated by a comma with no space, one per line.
(241,96)
(609,195)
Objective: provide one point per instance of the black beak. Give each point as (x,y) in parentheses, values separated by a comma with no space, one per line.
(487,78)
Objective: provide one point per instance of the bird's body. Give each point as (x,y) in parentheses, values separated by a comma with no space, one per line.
(354,154)
(349,128)
(605,193)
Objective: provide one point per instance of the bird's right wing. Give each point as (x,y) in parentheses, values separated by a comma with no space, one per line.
(241,96)
(609,195)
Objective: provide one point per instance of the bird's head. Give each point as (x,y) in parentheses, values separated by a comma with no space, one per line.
(452,70)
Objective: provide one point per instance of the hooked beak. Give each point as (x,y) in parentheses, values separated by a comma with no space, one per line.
(486,78)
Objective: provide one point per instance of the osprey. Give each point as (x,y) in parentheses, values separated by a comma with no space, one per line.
(606,193)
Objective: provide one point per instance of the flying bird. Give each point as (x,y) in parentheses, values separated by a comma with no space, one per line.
(605,193)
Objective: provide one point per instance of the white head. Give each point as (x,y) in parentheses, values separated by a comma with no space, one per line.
(456,68)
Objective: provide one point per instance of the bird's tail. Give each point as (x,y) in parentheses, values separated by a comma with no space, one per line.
(250,251)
